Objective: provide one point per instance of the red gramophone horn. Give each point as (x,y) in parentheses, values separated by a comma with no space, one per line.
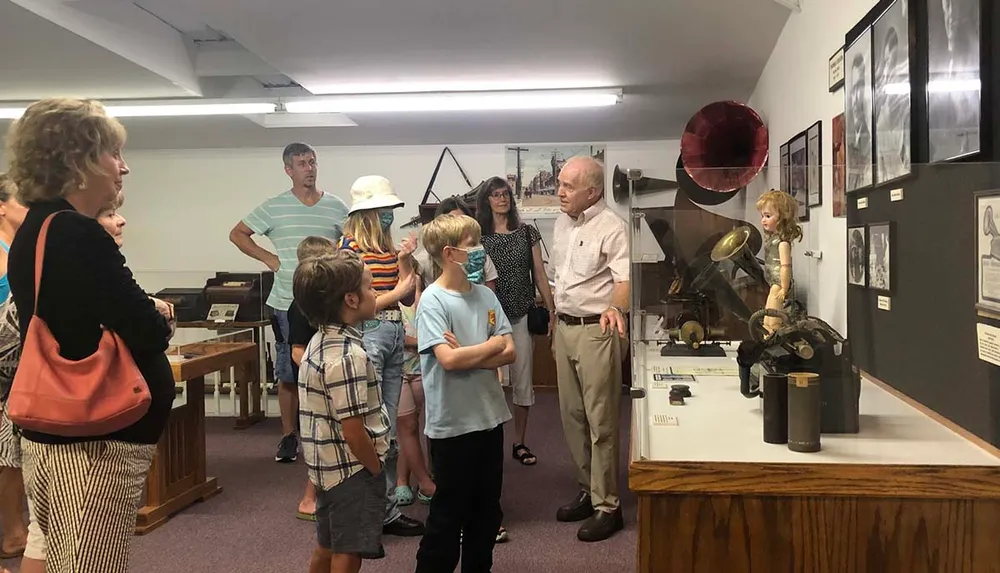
(724,146)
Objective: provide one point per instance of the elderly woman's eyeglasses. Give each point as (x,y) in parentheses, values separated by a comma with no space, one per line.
(499,194)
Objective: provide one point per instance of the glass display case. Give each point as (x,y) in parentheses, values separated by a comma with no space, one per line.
(698,282)
(219,306)
(703,269)
(202,348)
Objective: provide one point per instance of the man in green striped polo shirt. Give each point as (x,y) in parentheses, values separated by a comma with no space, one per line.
(286,219)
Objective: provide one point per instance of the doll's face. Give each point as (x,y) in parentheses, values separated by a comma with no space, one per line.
(769,218)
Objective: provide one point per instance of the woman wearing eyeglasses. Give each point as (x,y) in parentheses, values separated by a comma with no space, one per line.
(514,247)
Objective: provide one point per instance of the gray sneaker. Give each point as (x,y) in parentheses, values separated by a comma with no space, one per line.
(288,449)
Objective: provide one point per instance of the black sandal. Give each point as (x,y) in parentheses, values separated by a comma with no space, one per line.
(521,453)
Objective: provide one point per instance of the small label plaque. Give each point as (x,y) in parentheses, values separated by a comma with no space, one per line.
(884,302)
(989,343)
(896,194)
(863,203)
(665,420)
(836,70)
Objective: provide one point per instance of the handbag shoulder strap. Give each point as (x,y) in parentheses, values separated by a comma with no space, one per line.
(40,255)
(531,253)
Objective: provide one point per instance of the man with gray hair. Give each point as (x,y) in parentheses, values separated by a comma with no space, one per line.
(287,219)
(591,265)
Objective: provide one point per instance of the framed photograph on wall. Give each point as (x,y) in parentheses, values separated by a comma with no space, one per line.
(783,165)
(857,256)
(880,256)
(814,164)
(533,171)
(988,250)
(892,93)
(797,186)
(858,108)
(839,200)
(954,95)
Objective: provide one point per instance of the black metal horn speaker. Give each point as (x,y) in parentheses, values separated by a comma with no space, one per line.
(640,185)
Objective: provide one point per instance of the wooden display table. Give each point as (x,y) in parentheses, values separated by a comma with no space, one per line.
(250,412)
(907,494)
(178,476)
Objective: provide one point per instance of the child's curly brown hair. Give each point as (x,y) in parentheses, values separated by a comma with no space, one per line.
(788,228)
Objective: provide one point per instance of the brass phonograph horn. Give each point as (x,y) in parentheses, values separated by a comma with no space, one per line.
(640,185)
(734,246)
(724,146)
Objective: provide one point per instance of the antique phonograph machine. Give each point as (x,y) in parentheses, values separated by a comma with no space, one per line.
(709,289)
(709,278)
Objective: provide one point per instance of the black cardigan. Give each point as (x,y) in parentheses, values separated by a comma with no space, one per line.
(85,284)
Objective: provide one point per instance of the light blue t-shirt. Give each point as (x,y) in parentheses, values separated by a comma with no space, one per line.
(286,221)
(459,402)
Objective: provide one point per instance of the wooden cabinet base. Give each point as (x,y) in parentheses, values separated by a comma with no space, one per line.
(149,517)
(746,534)
(177,477)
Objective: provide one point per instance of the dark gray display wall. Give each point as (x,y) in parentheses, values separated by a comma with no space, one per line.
(926,345)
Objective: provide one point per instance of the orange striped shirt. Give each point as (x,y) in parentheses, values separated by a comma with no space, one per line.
(383,266)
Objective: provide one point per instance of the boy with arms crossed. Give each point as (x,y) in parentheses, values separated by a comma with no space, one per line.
(344,424)
(463,337)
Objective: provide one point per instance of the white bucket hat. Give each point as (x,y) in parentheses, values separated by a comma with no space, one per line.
(373,192)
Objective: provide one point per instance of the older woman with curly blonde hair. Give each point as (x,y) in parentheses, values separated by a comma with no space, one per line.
(65,157)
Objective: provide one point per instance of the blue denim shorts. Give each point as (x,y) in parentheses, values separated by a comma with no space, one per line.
(283,352)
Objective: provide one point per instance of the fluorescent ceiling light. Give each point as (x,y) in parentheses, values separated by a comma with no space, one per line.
(189,109)
(169,110)
(459,101)
(272,120)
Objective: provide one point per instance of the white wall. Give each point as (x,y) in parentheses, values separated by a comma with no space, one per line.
(791,95)
(181,204)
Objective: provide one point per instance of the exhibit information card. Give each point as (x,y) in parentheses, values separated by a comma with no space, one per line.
(989,343)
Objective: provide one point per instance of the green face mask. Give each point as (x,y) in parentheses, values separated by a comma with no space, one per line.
(386,218)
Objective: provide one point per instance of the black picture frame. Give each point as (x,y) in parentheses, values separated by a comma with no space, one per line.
(859,112)
(893,56)
(857,256)
(955,114)
(987,249)
(881,246)
(797,174)
(783,165)
(814,164)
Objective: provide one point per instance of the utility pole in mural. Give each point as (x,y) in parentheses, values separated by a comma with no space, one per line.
(520,169)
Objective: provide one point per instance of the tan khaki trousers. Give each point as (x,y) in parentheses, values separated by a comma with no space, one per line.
(589,372)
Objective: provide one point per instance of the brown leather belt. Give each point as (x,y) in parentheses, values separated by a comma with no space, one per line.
(579,320)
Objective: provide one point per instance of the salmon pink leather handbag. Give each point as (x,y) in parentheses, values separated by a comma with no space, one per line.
(98,395)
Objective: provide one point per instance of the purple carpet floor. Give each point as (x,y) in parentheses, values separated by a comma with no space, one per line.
(251,527)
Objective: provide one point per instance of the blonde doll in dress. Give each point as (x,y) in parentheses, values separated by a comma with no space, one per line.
(779,218)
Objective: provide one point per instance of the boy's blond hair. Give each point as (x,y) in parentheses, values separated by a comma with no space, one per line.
(321,283)
(314,246)
(448,231)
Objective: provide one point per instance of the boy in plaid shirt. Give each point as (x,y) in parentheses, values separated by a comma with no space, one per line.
(344,424)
